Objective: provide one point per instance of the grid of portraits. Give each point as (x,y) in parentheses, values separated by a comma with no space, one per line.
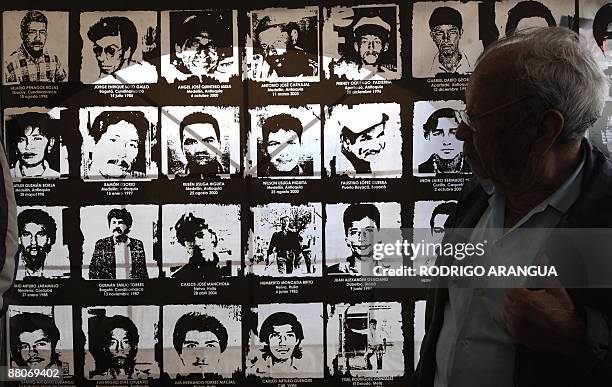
(198,189)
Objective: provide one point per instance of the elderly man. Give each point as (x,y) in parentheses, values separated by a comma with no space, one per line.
(523,133)
(32,62)
(446,29)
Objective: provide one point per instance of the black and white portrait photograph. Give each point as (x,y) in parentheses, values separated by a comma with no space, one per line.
(596,32)
(444,38)
(118,47)
(436,151)
(600,134)
(35,46)
(118,142)
(202,341)
(285,240)
(33,143)
(120,342)
(40,338)
(362,43)
(118,241)
(43,252)
(430,224)
(363,140)
(352,230)
(284,142)
(283,45)
(200,141)
(201,241)
(286,341)
(365,339)
(516,15)
(199,46)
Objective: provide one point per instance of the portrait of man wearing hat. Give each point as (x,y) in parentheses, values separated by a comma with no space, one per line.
(446,30)
(371,36)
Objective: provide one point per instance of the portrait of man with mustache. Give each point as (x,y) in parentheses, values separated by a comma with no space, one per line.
(446,29)
(37,234)
(114,345)
(33,341)
(118,256)
(32,62)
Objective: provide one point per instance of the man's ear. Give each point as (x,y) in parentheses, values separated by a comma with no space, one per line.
(346,239)
(460,32)
(386,47)
(178,49)
(356,45)
(294,36)
(50,144)
(548,129)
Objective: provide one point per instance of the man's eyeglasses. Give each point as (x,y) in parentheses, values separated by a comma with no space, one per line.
(108,50)
(462,116)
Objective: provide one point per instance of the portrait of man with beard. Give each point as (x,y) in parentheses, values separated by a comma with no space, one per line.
(446,30)
(114,346)
(118,256)
(37,233)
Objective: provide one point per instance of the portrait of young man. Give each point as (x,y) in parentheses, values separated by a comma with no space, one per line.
(37,234)
(439,131)
(33,61)
(200,242)
(368,51)
(120,140)
(33,146)
(281,335)
(201,46)
(200,136)
(285,45)
(446,31)
(282,148)
(33,339)
(118,256)
(438,218)
(113,343)
(114,41)
(200,341)
(602,29)
(376,344)
(361,223)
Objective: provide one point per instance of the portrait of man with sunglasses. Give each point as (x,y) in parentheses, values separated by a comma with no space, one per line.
(115,41)
(32,61)
(201,46)
(446,30)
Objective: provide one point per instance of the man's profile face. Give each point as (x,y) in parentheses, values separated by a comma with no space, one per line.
(35,349)
(116,150)
(32,147)
(360,237)
(282,341)
(34,240)
(443,139)
(119,346)
(35,37)
(199,54)
(200,144)
(274,41)
(369,145)
(446,37)
(117,227)
(109,54)
(369,48)
(201,352)
(288,146)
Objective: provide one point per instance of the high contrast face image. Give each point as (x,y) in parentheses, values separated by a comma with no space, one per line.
(201,351)
(116,151)
(36,46)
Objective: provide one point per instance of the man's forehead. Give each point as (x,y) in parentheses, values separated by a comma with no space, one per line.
(282,328)
(36,25)
(283,134)
(445,27)
(199,130)
(34,225)
(31,131)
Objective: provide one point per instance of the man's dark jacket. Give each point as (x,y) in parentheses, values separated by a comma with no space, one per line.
(592,366)
(103,263)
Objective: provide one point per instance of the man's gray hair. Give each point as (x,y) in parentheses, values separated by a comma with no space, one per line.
(561,73)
